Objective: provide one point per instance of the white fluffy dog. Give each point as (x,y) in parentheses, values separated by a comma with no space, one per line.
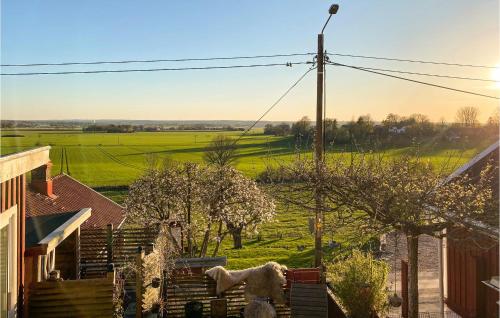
(261,281)
(259,309)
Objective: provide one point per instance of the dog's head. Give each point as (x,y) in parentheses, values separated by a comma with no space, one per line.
(280,270)
(216,272)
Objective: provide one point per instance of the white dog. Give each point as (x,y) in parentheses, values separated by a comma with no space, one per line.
(261,281)
(259,309)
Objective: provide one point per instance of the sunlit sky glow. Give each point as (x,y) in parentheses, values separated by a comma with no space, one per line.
(456,31)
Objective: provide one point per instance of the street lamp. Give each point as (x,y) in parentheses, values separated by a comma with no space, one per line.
(319,138)
(333,10)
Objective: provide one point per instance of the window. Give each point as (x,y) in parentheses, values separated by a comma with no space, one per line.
(8,262)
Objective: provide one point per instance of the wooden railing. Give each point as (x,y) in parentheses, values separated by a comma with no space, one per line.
(72,298)
(184,286)
(100,247)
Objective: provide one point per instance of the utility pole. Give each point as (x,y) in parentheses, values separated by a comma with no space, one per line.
(318,228)
(320,59)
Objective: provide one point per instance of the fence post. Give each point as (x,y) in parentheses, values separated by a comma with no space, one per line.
(164,295)
(110,275)
(138,282)
(404,288)
(109,244)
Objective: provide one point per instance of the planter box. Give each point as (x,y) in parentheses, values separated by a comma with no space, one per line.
(302,275)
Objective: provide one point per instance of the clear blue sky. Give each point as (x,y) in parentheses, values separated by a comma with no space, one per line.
(59,31)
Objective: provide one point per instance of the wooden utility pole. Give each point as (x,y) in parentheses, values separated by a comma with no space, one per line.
(318,252)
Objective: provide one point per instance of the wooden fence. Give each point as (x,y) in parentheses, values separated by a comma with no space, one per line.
(72,298)
(100,247)
(194,286)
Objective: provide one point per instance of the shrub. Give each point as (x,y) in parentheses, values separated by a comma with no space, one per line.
(360,284)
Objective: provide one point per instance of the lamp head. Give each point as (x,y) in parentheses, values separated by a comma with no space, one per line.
(333,9)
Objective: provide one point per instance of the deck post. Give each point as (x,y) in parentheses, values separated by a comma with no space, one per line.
(164,294)
(109,244)
(138,282)
(111,274)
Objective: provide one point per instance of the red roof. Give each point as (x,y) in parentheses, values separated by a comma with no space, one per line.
(73,195)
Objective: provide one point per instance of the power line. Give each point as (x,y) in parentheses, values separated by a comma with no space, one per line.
(152,69)
(412,61)
(429,74)
(274,104)
(244,57)
(414,81)
(159,60)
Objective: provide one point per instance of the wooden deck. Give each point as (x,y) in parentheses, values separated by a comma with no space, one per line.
(309,300)
(72,298)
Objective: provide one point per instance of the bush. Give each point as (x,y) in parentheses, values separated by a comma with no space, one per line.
(360,284)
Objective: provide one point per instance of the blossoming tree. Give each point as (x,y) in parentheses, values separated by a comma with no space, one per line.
(234,203)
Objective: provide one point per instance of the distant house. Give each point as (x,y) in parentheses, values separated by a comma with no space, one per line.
(471,254)
(48,195)
(397,130)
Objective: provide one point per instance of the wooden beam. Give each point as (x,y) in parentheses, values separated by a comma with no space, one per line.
(6,215)
(65,229)
(47,244)
(20,163)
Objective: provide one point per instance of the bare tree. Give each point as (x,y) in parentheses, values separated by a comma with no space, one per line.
(494,119)
(408,195)
(221,151)
(405,194)
(468,116)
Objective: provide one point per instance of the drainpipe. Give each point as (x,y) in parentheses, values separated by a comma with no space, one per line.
(441,283)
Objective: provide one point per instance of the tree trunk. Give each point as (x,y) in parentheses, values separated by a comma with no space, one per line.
(206,238)
(237,238)
(189,232)
(219,240)
(412,246)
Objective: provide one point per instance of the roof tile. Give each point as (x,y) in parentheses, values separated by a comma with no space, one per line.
(73,195)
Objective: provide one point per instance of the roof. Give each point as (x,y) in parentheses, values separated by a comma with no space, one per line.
(473,168)
(478,162)
(45,233)
(72,195)
(38,227)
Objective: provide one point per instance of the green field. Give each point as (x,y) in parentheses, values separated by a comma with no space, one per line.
(104,159)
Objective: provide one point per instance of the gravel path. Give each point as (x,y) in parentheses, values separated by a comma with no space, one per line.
(428,262)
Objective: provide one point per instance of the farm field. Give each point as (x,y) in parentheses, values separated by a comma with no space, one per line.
(107,160)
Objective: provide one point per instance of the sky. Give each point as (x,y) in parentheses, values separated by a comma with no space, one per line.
(48,31)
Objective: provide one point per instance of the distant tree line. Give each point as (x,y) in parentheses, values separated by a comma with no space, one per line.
(206,127)
(10,124)
(110,128)
(394,130)
(282,129)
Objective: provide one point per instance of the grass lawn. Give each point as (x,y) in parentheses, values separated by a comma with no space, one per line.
(280,241)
